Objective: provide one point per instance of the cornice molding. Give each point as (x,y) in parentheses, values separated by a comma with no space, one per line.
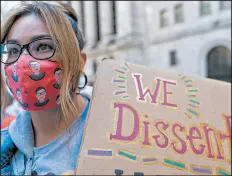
(214,25)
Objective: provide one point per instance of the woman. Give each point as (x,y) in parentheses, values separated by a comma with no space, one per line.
(46,136)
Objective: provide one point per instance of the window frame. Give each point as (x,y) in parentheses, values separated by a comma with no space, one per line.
(172,58)
(162,20)
(215,63)
(179,20)
(202,6)
(222,8)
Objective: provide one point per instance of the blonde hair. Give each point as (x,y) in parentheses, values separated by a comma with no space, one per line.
(4,101)
(64,36)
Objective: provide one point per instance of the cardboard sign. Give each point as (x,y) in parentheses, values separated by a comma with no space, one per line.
(145,121)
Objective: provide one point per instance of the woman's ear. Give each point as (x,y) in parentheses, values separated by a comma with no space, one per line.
(84,58)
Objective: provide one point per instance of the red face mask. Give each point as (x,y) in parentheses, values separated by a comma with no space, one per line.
(35,83)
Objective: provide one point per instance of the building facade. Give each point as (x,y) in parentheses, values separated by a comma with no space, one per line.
(193,37)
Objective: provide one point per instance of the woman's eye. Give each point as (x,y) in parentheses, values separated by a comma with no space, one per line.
(13,51)
(44,48)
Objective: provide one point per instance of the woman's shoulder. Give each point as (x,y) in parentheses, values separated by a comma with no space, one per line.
(6,141)
(8,150)
(4,135)
(4,138)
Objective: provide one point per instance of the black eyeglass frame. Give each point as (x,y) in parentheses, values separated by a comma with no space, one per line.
(26,46)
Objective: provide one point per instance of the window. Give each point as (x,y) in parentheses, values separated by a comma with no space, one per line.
(114,31)
(163,18)
(219,64)
(223,5)
(205,8)
(179,16)
(173,60)
(83,17)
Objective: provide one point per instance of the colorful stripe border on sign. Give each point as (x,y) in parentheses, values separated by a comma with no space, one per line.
(150,160)
(174,164)
(99,152)
(222,171)
(197,169)
(127,155)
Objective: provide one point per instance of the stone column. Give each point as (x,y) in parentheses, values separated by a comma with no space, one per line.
(77,7)
(90,23)
(124,18)
(106,28)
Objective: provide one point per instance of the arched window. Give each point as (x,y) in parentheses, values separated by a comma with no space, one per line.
(219,64)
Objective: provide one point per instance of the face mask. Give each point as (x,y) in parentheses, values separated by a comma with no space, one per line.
(35,83)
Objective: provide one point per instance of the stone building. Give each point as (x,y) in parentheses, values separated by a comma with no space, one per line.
(193,37)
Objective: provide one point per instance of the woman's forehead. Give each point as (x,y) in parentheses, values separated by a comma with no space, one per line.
(27,28)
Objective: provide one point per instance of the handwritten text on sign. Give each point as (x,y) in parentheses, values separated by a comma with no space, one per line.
(156,122)
(198,138)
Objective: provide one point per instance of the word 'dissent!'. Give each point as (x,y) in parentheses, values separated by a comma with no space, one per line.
(200,139)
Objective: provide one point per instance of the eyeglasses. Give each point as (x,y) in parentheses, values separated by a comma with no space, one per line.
(58,73)
(41,49)
(41,93)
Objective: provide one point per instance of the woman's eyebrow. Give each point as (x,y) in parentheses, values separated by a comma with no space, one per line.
(12,40)
(32,38)
(40,36)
